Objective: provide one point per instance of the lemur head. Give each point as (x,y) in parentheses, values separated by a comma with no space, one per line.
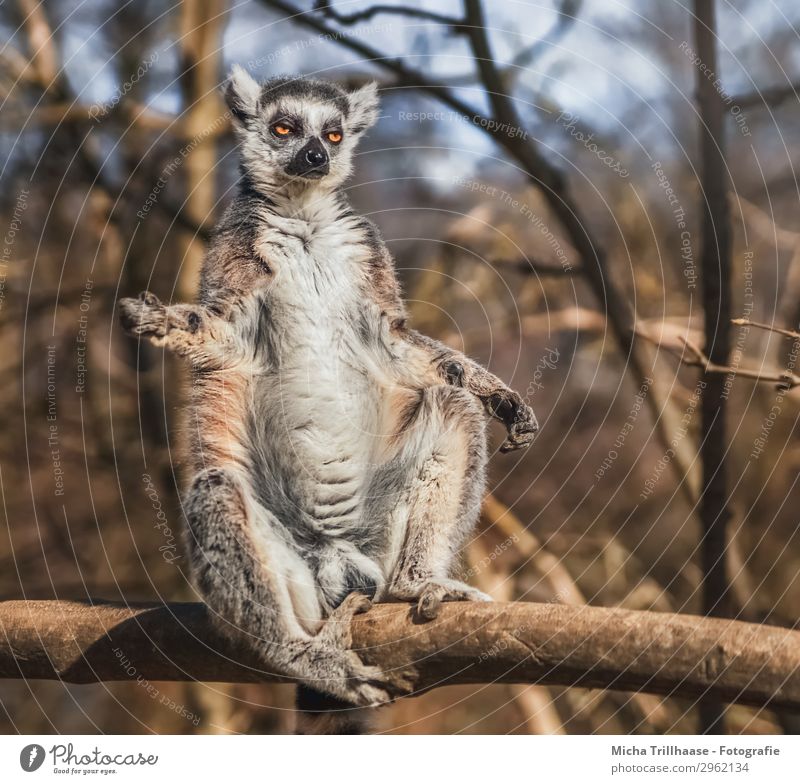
(298,131)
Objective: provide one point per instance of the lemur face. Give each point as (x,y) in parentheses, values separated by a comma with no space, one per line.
(298,130)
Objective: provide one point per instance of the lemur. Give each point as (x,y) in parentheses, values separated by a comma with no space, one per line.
(336,455)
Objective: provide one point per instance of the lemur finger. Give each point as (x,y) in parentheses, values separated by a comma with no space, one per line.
(137,317)
(394,684)
(353,604)
(366,695)
(430,602)
(513,443)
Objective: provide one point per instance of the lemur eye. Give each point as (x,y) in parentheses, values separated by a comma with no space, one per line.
(279,129)
(334,137)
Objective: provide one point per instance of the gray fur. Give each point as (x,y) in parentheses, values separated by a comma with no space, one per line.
(333,449)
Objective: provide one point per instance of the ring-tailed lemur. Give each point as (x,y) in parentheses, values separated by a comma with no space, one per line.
(336,454)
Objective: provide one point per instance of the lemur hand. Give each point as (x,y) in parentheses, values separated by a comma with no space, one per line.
(517,416)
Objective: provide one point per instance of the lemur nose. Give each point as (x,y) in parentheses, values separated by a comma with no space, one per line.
(316,157)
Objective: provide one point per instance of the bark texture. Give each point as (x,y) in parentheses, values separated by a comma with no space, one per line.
(661,653)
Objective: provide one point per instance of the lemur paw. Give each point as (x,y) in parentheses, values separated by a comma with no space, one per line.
(344,675)
(430,594)
(518,418)
(349,677)
(147,316)
(370,686)
(364,684)
(431,598)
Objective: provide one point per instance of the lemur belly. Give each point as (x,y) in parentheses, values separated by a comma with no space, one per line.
(320,405)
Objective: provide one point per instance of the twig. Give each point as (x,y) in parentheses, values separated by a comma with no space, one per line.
(789,333)
(534,267)
(771,97)
(784,379)
(327,10)
(40,42)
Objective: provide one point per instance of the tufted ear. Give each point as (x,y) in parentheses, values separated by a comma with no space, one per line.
(363,107)
(241,95)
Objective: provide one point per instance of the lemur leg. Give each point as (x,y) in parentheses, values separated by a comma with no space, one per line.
(262,592)
(441,468)
(193,331)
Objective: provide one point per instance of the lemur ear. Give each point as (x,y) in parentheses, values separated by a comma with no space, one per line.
(241,94)
(363,107)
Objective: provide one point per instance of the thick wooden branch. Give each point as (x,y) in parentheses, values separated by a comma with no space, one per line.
(677,655)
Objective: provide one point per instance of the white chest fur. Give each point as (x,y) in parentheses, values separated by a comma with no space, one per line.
(319,402)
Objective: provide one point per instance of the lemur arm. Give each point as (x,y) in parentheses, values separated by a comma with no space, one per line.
(430,362)
(444,365)
(200,333)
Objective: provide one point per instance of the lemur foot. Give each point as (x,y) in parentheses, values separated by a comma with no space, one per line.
(147,316)
(349,678)
(431,593)
(337,631)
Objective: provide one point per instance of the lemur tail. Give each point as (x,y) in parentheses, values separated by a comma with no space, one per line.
(321,714)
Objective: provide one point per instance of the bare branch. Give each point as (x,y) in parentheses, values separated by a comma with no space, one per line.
(697,358)
(659,653)
(40,42)
(789,333)
(496,514)
(770,97)
(327,10)
(534,267)
(566,16)
(765,225)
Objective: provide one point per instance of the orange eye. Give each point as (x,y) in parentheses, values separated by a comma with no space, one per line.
(334,137)
(281,130)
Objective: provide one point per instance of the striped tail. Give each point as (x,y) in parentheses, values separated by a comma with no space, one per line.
(321,714)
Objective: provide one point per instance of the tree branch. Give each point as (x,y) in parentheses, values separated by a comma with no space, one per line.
(327,10)
(785,379)
(771,97)
(529,266)
(676,655)
(789,333)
